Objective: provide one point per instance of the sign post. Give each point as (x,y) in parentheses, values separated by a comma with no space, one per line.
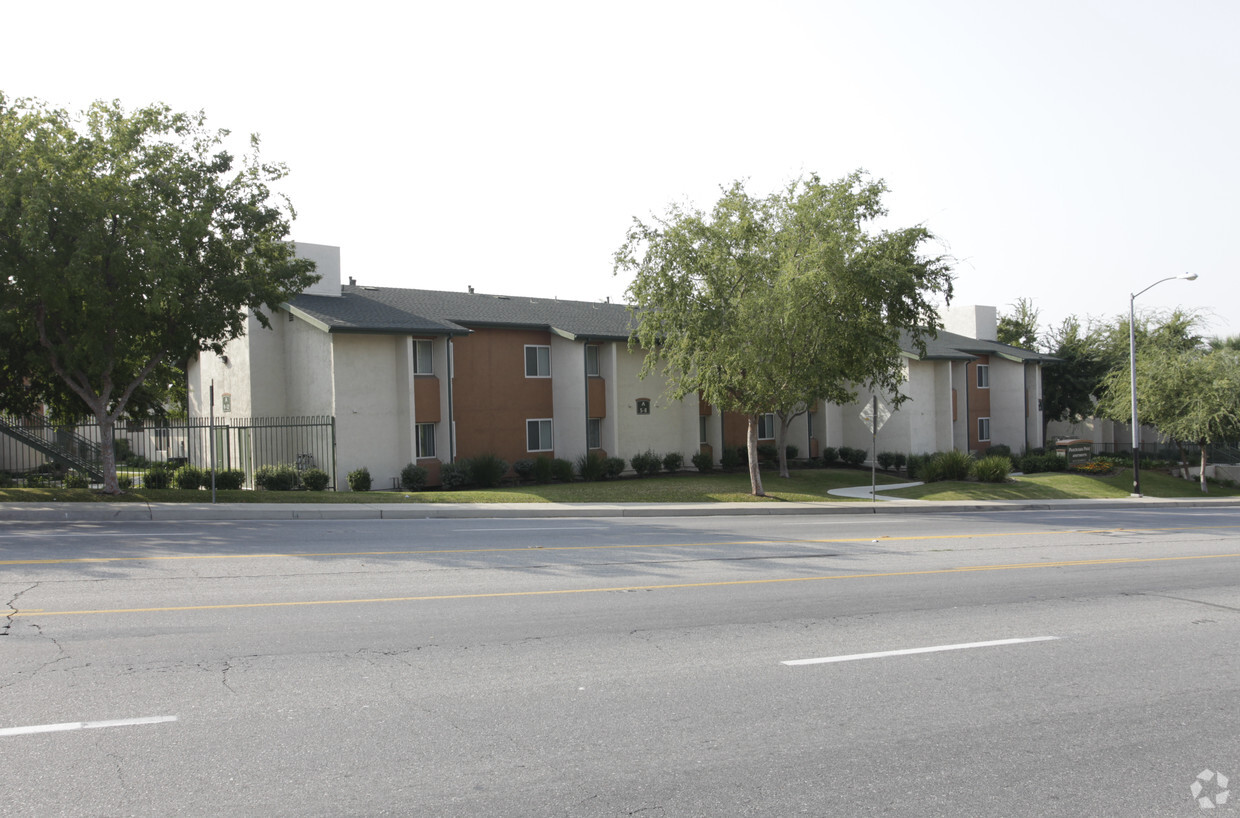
(875,414)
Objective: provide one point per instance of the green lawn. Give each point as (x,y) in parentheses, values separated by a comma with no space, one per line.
(807,485)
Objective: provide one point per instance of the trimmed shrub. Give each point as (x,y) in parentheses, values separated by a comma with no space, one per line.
(953,464)
(646,463)
(73,480)
(591,467)
(277,478)
(999,449)
(125,483)
(767,452)
(703,462)
(562,470)
(231,479)
(851,456)
(829,455)
(993,468)
(190,478)
(542,469)
(413,477)
(1033,463)
(153,478)
(524,468)
(312,479)
(487,470)
(453,476)
(886,460)
(730,459)
(790,451)
(673,462)
(359,479)
(613,467)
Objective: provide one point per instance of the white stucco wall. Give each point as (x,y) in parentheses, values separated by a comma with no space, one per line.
(326,260)
(369,420)
(568,398)
(1007,403)
(671,426)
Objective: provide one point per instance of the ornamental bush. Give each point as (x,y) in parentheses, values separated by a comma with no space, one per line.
(703,462)
(277,478)
(829,455)
(315,479)
(954,464)
(673,462)
(359,479)
(613,467)
(413,477)
(591,467)
(190,478)
(562,470)
(230,479)
(487,470)
(731,458)
(453,476)
(156,477)
(524,468)
(852,456)
(993,468)
(73,480)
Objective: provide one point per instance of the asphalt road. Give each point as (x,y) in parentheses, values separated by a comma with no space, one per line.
(619,667)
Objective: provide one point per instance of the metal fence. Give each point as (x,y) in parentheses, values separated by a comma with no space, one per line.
(37,450)
(1167,450)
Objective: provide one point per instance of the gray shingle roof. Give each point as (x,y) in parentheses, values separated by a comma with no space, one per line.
(397,310)
(434,312)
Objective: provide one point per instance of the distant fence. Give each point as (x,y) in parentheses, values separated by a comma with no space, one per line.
(1166,450)
(35,450)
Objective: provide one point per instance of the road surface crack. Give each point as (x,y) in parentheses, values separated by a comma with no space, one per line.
(8,619)
(1197,602)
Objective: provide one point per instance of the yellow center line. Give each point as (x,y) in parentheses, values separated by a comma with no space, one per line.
(673,586)
(525,549)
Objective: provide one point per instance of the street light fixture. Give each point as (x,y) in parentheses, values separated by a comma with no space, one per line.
(1132,363)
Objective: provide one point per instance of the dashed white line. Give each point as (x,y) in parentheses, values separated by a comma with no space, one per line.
(82,725)
(908,651)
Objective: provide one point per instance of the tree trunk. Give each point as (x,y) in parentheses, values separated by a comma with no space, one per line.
(1205,489)
(755,476)
(107,438)
(1185,472)
(781,443)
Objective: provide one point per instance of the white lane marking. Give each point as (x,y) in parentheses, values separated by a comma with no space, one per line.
(82,725)
(965,646)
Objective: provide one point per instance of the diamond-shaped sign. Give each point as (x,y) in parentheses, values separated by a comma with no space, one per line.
(873,420)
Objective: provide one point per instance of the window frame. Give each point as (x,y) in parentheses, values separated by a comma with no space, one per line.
(550,440)
(983,376)
(769,419)
(537,361)
(593,372)
(419,429)
(980,422)
(417,356)
(594,433)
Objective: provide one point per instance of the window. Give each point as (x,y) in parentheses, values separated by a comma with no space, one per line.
(594,433)
(537,362)
(426,440)
(422,357)
(766,427)
(592,360)
(983,429)
(983,376)
(701,428)
(538,435)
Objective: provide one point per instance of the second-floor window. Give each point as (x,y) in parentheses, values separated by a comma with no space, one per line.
(592,360)
(422,357)
(537,361)
(983,376)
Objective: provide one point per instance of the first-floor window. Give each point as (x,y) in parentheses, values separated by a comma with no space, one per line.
(766,426)
(983,376)
(594,433)
(983,429)
(163,439)
(426,440)
(538,435)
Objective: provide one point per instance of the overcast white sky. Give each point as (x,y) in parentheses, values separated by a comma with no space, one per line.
(1068,152)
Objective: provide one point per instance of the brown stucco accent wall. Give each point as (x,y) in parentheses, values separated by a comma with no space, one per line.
(426,398)
(979,403)
(492,398)
(597,395)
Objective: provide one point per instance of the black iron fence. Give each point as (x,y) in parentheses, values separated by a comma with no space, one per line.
(36,451)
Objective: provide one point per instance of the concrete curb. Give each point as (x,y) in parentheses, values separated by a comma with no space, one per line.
(227,512)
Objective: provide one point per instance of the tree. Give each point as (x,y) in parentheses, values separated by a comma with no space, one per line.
(1190,395)
(1020,328)
(1070,383)
(772,304)
(128,243)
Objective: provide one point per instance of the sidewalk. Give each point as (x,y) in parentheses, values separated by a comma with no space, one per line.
(207,512)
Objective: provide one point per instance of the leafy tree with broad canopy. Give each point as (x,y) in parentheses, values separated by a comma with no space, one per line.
(129,242)
(773,304)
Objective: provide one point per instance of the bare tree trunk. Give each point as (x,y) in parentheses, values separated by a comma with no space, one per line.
(755,476)
(1205,489)
(107,438)
(781,443)
(1185,472)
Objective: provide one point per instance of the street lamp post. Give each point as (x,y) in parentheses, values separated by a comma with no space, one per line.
(1132,365)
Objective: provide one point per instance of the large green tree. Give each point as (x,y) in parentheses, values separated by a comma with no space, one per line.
(770,304)
(1020,327)
(1190,395)
(129,241)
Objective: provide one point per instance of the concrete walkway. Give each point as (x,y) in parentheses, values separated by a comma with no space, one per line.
(207,512)
(864,493)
